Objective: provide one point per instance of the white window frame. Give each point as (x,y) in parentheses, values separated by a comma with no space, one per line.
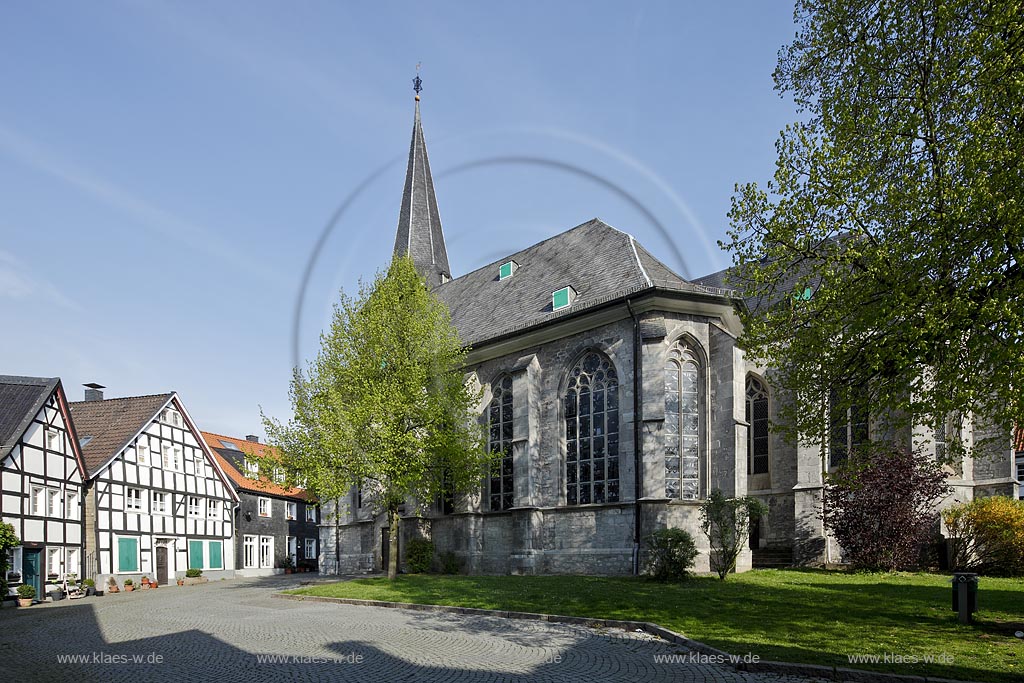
(266,562)
(72,558)
(53,503)
(310,554)
(167,458)
(291,510)
(16,561)
(292,548)
(128,500)
(71,504)
(213,509)
(250,552)
(159,505)
(52,552)
(311,514)
(193,506)
(176,452)
(142,450)
(260,505)
(52,439)
(37,502)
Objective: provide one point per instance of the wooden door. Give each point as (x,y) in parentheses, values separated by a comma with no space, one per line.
(30,570)
(161,565)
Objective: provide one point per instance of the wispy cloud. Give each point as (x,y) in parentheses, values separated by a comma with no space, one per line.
(17,283)
(147,215)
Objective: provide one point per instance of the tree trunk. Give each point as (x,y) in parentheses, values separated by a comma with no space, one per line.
(393,543)
(337,536)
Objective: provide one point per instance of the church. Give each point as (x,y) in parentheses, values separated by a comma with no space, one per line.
(619,398)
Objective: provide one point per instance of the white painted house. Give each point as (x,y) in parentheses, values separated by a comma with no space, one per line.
(157,502)
(41,479)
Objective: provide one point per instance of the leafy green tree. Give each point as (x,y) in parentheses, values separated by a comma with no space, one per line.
(385,405)
(8,542)
(726,523)
(886,254)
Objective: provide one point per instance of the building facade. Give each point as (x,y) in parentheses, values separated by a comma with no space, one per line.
(157,501)
(275,527)
(41,481)
(618,397)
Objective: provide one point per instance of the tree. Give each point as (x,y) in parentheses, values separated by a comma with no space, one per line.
(886,253)
(385,405)
(880,506)
(726,523)
(8,542)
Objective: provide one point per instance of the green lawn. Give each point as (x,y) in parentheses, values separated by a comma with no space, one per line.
(812,617)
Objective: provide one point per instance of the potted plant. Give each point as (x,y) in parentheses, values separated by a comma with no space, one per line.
(26,593)
(194,576)
(181,582)
(112,585)
(153,583)
(129,585)
(288,565)
(89,586)
(145,582)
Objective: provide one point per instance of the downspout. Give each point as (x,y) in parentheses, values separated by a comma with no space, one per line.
(638,426)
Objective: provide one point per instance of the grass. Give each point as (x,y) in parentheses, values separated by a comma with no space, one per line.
(813,617)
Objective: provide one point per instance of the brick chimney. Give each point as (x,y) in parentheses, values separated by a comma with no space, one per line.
(93,391)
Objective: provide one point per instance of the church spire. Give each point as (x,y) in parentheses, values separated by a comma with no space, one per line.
(419,223)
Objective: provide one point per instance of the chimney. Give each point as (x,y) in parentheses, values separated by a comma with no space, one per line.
(93,391)
(252,437)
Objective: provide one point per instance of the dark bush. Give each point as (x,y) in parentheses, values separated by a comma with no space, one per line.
(880,506)
(670,554)
(418,555)
(450,563)
(193,573)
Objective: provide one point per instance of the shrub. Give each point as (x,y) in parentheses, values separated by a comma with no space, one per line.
(8,541)
(880,506)
(418,555)
(450,563)
(671,553)
(26,591)
(193,573)
(128,582)
(88,583)
(726,523)
(986,535)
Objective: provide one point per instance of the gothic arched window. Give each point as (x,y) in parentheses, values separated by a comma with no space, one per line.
(499,440)
(757,432)
(682,424)
(592,432)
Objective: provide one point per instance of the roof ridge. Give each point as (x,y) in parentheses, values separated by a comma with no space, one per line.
(125,398)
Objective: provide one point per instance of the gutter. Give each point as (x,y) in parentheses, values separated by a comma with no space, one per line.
(638,425)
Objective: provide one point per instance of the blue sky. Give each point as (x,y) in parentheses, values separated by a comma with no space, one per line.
(166,168)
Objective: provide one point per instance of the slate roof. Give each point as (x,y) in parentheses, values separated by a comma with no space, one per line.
(419,222)
(228,457)
(21,398)
(600,263)
(112,423)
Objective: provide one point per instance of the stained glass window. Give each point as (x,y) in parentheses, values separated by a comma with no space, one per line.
(682,424)
(591,406)
(499,439)
(757,433)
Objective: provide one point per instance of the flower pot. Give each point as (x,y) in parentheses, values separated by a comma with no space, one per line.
(181,582)
(24,602)
(129,589)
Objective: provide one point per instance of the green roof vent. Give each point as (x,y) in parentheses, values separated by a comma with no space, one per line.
(506,270)
(562,298)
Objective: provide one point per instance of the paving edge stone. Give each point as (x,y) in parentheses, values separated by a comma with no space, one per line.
(833,673)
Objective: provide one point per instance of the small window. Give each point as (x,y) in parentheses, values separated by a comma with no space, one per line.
(562,298)
(38,501)
(311,514)
(71,505)
(177,457)
(506,270)
(142,450)
(249,552)
(52,440)
(53,502)
(290,510)
(73,563)
(53,561)
(159,503)
(193,506)
(133,500)
(168,458)
(212,509)
(252,468)
(264,507)
(310,553)
(230,445)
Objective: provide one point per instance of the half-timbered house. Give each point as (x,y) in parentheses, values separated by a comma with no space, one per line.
(41,475)
(157,502)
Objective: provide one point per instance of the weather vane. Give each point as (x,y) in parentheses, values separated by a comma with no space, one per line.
(417,83)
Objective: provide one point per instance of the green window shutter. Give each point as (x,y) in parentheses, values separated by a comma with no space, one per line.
(215,558)
(505,270)
(562,298)
(127,554)
(195,554)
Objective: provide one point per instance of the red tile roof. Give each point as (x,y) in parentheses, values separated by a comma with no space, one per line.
(263,484)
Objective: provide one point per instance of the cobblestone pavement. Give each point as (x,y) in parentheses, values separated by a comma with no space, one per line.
(236,631)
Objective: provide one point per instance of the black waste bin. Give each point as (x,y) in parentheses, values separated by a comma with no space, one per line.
(967,581)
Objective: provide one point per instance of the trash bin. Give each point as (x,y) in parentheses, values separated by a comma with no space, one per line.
(967,581)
